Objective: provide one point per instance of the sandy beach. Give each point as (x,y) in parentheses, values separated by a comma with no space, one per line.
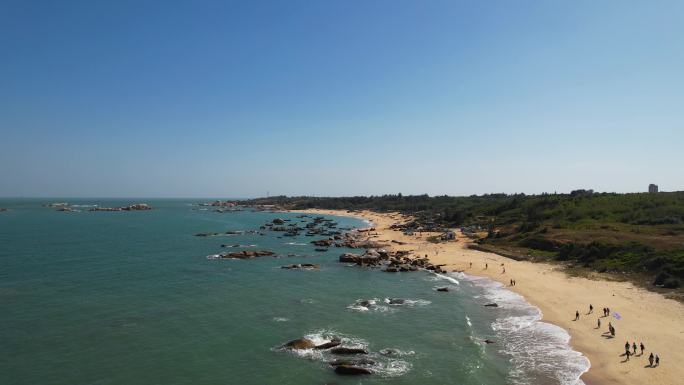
(646,317)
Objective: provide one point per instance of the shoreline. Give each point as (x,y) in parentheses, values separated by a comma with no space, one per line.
(646,317)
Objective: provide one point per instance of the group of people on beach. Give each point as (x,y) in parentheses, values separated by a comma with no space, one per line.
(653,360)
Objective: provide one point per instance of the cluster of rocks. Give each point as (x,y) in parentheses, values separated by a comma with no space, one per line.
(246,254)
(219,203)
(133,207)
(343,365)
(393,262)
(319,226)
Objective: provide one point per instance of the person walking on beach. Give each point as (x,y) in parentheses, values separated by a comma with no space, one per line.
(641,345)
(627,345)
(591,309)
(657,360)
(503,271)
(650,360)
(576,315)
(627,354)
(634,347)
(612,331)
(486,266)
(599,323)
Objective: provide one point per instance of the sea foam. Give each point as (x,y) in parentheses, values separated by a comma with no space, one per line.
(538,350)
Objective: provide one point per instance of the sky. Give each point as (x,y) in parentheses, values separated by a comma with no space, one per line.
(333,98)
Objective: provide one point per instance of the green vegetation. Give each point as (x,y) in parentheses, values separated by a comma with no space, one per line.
(640,235)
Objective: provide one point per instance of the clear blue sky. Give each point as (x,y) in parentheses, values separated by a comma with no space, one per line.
(200,98)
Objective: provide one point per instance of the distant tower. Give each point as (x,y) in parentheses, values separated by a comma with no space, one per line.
(652,188)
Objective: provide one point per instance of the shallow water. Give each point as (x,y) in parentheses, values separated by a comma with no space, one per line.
(131,297)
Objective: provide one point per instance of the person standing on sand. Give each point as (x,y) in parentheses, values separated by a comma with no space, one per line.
(471,265)
(641,345)
(650,360)
(486,266)
(657,360)
(627,354)
(599,324)
(576,315)
(634,347)
(503,271)
(591,308)
(612,331)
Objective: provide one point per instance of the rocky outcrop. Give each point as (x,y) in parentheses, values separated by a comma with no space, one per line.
(133,207)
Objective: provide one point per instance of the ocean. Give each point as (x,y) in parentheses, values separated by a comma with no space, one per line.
(136,298)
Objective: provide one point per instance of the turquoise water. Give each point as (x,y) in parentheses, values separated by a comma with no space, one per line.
(131,298)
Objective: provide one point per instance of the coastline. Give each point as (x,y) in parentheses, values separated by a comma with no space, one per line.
(646,317)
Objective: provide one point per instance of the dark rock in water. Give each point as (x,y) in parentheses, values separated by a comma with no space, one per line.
(301,266)
(351,370)
(249,254)
(442,289)
(205,234)
(349,258)
(278,221)
(334,342)
(389,352)
(365,303)
(352,361)
(321,249)
(322,242)
(396,301)
(301,343)
(392,269)
(491,305)
(349,351)
(488,341)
